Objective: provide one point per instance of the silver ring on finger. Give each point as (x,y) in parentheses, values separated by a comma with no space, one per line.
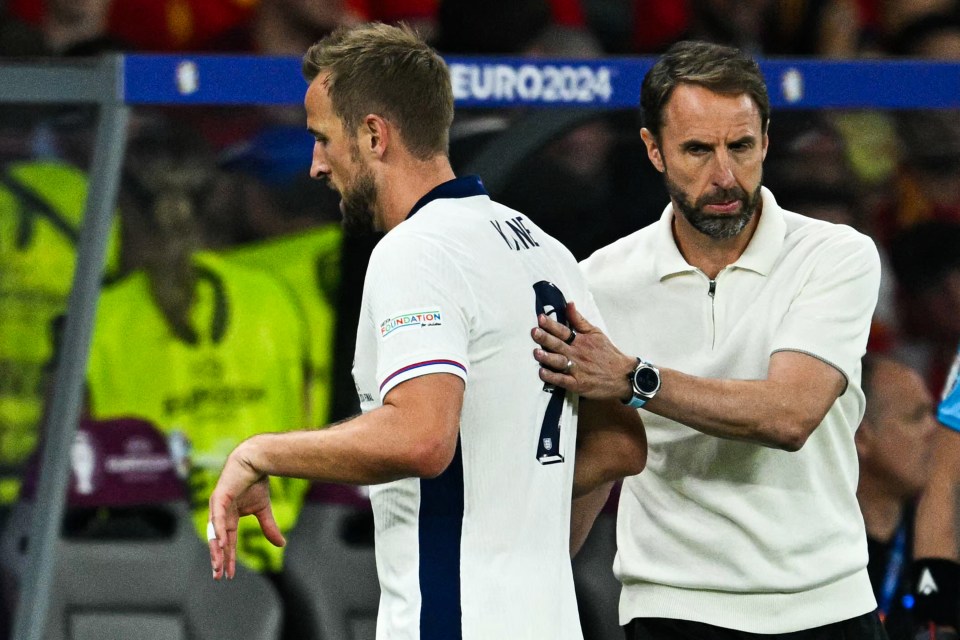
(569,366)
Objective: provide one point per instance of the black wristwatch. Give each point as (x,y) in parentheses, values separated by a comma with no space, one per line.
(645,382)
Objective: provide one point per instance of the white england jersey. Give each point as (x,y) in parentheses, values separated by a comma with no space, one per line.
(482,551)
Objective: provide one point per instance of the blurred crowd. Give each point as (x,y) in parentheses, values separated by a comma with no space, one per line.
(231,292)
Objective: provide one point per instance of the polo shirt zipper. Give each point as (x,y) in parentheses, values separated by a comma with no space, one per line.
(712,291)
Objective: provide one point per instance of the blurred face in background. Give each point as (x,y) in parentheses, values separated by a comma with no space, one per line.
(944,45)
(895,440)
(738,16)
(321,16)
(78,11)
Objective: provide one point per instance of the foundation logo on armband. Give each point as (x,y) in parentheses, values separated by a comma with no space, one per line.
(413,319)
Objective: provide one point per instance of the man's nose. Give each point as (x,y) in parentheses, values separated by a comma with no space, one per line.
(318,166)
(723,170)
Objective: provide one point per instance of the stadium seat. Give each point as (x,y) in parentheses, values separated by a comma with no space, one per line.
(128,561)
(598,590)
(330,573)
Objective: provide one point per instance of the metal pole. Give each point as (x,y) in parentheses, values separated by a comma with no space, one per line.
(64,406)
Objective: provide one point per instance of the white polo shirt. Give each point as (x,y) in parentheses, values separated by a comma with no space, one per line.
(731,533)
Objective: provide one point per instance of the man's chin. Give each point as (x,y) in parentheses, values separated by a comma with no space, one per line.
(718,227)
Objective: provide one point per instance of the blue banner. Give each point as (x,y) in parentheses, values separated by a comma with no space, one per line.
(612,83)
(211,79)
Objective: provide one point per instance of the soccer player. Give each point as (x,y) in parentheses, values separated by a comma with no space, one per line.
(471,456)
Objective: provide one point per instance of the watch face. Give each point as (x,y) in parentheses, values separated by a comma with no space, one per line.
(646,380)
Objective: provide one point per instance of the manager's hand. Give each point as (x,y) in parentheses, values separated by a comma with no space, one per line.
(241,490)
(582,360)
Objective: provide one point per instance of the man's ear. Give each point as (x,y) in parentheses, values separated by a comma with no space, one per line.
(376,135)
(653,148)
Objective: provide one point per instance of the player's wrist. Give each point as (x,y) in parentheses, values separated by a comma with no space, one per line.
(622,378)
(249,455)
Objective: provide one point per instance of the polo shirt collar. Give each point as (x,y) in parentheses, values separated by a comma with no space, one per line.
(668,260)
(767,240)
(464,187)
(759,256)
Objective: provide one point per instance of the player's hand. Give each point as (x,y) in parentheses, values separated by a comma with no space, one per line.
(241,490)
(589,364)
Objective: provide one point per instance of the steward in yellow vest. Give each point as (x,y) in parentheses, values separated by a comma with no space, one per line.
(41,209)
(308,264)
(237,368)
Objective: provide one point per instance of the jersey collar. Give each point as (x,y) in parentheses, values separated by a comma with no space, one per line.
(464,187)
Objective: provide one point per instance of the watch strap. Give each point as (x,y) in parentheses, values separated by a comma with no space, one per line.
(635,401)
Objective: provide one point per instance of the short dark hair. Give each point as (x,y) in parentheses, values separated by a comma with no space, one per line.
(719,68)
(390,71)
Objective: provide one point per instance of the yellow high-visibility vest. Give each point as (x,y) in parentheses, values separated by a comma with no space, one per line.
(244,375)
(41,209)
(308,263)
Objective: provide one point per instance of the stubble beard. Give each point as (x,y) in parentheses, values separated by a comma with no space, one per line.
(357,205)
(716,226)
(358,202)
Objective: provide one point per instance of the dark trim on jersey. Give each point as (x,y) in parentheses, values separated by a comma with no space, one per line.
(440,529)
(417,365)
(464,187)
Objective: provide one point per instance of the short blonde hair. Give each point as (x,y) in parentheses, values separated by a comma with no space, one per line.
(389,71)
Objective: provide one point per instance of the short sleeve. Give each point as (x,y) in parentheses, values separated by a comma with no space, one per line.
(420,307)
(830,316)
(949,411)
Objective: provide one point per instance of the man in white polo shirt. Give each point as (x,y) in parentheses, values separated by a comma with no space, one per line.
(740,328)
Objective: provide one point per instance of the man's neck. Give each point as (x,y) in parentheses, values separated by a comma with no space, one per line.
(403,187)
(882,511)
(711,255)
